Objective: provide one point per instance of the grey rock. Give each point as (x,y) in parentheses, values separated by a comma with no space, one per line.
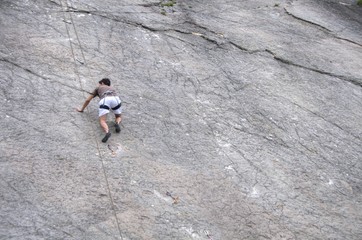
(242,120)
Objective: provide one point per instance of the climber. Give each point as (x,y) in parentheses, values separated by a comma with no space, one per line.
(109,101)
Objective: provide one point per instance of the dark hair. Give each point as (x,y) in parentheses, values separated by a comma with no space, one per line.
(105,81)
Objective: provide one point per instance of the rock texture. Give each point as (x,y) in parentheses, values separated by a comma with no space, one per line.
(242,119)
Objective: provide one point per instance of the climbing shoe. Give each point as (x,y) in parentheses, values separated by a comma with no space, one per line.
(118,129)
(106,137)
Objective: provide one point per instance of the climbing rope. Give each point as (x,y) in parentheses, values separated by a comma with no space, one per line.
(65,7)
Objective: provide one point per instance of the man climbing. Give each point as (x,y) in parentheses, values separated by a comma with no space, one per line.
(109,101)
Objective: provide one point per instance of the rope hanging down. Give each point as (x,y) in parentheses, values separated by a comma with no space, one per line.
(65,7)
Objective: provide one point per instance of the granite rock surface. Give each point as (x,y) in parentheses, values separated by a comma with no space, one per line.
(241,119)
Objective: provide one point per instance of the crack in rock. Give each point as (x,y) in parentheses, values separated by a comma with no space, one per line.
(306,21)
(355,81)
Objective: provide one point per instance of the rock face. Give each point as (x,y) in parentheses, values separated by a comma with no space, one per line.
(242,119)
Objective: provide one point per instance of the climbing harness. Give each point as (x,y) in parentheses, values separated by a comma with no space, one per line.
(104,106)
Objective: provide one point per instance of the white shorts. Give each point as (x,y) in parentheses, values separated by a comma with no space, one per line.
(109,103)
